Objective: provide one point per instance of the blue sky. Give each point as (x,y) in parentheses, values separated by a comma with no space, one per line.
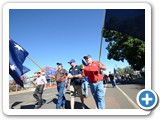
(52,36)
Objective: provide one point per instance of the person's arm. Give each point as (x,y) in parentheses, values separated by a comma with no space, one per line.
(68,80)
(77,76)
(83,73)
(70,76)
(52,76)
(66,75)
(44,81)
(34,83)
(101,66)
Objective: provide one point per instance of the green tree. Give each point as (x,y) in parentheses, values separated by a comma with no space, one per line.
(124,47)
(120,71)
(128,70)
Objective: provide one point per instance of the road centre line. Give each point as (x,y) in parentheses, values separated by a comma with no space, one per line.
(128,98)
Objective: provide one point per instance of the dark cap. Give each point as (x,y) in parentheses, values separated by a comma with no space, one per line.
(59,63)
(71,61)
(87,56)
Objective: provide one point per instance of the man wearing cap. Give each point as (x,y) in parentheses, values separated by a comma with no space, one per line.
(84,82)
(39,82)
(75,83)
(95,77)
(60,77)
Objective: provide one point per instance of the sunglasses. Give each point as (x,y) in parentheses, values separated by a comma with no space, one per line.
(86,58)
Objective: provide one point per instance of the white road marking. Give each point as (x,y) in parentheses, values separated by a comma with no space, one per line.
(128,98)
(104,90)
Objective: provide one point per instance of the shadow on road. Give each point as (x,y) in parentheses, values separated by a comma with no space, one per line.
(15,104)
(52,101)
(67,92)
(27,106)
(77,105)
(31,106)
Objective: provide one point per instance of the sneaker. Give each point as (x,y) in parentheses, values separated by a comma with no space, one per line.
(62,107)
(83,106)
(38,106)
(85,96)
(43,101)
(36,103)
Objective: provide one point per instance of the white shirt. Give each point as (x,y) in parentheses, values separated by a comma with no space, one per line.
(41,80)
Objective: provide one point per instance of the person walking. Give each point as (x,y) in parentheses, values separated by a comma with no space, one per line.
(60,77)
(75,83)
(40,82)
(85,86)
(95,78)
(105,80)
(84,83)
(111,76)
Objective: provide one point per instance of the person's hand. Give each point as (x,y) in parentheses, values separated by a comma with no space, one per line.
(45,87)
(35,85)
(67,84)
(100,66)
(51,76)
(70,76)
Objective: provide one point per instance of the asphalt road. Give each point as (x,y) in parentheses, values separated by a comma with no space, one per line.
(121,97)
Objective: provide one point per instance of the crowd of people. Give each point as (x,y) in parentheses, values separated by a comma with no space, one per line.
(77,79)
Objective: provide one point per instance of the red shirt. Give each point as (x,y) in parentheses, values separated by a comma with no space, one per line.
(105,76)
(93,72)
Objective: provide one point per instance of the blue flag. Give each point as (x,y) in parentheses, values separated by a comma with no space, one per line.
(84,63)
(25,69)
(115,71)
(127,21)
(17,56)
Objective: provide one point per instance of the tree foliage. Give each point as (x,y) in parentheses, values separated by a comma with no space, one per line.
(126,70)
(124,47)
(120,71)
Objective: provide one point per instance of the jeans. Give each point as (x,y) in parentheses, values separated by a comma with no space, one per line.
(113,83)
(97,90)
(85,87)
(105,80)
(61,99)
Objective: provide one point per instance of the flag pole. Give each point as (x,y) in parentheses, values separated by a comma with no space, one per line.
(99,71)
(102,36)
(34,62)
(37,66)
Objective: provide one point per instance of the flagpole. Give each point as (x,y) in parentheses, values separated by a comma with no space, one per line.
(37,66)
(34,62)
(102,36)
